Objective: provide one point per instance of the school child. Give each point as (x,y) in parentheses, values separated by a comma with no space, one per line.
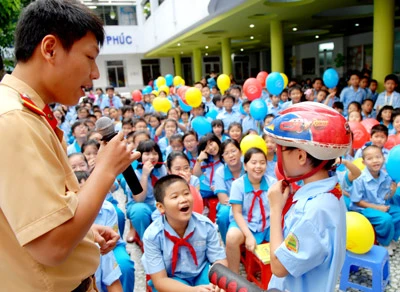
(148,107)
(154,123)
(185,120)
(178,163)
(331,98)
(174,113)
(90,149)
(396,122)
(274,106)
(225,174)
(353,92)
(116,118)
(370,196)
(268,119)
(307,254)
(170,126)
(236,92)
(207,98)
(127,112)
(271,155)
(379,136)
(346,172)
(373,86)
(111,100)
(139,110)
(389,96)
(184,243)
(354,116)
(249,216)
(235,131)
(316,87)
(284,96)
(190,142)
(217,100)
(228,115)
(321,96)
(353,106)
(150,169)
(127,126)
(248,121)
(338,106)
(367,107)
(295,94)
(384,116)
(218,130)
(139,124)
(175,144)
(79,132)
(108,273)
(207,162)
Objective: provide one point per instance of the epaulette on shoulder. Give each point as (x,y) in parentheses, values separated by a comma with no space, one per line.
(29,104)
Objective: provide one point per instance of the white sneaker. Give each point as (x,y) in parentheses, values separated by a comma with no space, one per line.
(389,249)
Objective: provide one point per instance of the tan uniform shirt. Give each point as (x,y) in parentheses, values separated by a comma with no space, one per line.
(37,194)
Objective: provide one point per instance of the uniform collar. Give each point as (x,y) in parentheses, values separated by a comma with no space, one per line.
(228,174)
(248,187)
(317,187)
(369,177)
(189,228)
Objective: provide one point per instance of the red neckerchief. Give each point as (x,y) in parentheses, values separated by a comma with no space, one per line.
(154,179)
(178,242)
(257,194)
(211,164)
(45,112)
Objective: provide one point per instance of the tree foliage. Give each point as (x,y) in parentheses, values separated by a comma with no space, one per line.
(9,11)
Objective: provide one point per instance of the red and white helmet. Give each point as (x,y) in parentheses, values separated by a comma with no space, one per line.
(314,127)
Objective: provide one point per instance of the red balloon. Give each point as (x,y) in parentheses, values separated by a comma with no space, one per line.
(182,91)
(252,89)
(262,77)
(369,123)
(197,200)
(392,141)
(360,134)
(137,95)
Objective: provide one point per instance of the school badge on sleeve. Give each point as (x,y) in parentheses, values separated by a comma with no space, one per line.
(292,243)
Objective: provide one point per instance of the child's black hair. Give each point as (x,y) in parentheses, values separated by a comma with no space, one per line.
(190,133)
(380,128)
(379,115)
(370,147)
(127,122)
(126,108)
(356,103)
(229,96)
(205,140)
(217,122)
(173,155)
(235,124)
(176,137)
(293,88)
(216,98)
(226,143)
(137,120)
(392,77)
(163,183)
(77,124)
(250,152)
(338,105)
(88,143)
(148,146)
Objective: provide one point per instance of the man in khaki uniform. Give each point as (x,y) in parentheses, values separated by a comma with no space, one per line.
(47,238)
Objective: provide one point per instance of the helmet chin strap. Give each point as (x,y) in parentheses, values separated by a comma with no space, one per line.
(290,180)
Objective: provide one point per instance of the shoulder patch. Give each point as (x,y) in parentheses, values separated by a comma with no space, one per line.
(29,104)
(292,243)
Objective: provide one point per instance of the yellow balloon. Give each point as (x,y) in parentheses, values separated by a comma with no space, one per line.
(223,82)
(178,80)
(193,97)
(164,88)
(360,233)
(359,163)
(253,141)
(155,92)
(161,104)
(285,80)
(160,81)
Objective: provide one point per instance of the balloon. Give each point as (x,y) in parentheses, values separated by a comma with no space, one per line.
(178,80)
(369,123)
(330,78)
(359,163)
(359,232)
(241,109)
(258,109)
(182,91)
(253,141)
(147,89)
(360,134)
(392,141)
(211,82)
(137,95)
(160,81)
(154,92)
(155,86)
(201,125)
(224,82)
(252,88)
(393,162)
(262,78)
(275,83)
(164,88)
(193,97)
(184,106)
(161,104)
(212,114)
(169,80)
(197,200)
(285,80)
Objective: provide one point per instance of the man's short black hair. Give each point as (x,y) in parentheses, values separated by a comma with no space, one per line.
(163,183)
(392,77)
(69,20)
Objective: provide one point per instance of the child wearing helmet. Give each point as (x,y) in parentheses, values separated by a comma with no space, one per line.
(308,252)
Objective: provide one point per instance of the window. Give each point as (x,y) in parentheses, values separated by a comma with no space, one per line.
(211,64)
(241,64)
(117,15)
(150,70)
(325,56)
(116,73)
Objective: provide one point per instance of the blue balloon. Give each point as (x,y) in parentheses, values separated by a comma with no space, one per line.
(274,83)
(201,125)
(184,106)
(330,78)
(169,80)
(258,109)
(393,162)
(241,109)
(212,114)
(155,84)
(211,82)
(147,90)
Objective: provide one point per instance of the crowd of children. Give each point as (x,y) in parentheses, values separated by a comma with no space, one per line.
(179,245)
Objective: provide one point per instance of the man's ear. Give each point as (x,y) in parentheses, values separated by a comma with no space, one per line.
(48,47)
(160,208)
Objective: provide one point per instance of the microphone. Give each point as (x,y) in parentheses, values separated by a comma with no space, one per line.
(105,127)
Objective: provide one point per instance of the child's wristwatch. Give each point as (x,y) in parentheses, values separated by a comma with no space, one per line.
(199,160)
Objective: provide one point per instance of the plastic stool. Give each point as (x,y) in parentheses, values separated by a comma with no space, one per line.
(255,266)
(377,260)
(211,204)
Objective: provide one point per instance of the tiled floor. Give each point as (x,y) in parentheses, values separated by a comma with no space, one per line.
(362,276)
